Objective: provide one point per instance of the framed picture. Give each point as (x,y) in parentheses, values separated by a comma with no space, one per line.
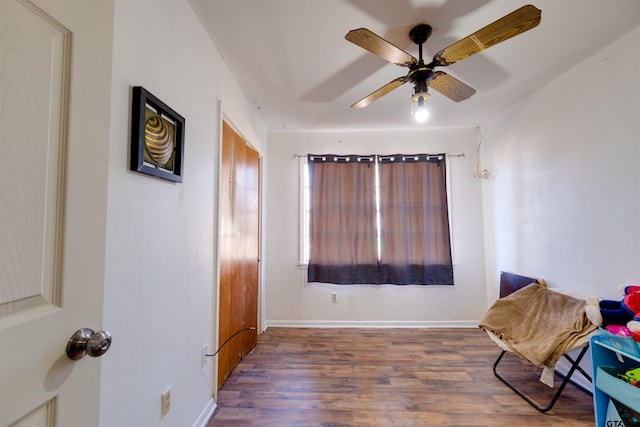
(157,137)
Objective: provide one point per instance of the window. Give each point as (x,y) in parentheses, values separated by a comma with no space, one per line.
(375,219)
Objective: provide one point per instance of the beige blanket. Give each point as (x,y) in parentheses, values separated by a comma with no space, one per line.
(538,323)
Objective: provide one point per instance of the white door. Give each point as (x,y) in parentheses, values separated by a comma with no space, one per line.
(51,243)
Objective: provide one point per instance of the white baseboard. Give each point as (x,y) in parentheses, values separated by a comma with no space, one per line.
(370,324)
(206,413)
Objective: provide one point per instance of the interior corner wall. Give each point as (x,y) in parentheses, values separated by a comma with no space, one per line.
(294,302)
(562,201)
(160,280)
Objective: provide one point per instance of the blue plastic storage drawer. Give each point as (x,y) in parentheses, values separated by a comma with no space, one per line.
(618,389)
(619,342)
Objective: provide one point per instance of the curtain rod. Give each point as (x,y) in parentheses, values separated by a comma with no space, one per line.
(297,156)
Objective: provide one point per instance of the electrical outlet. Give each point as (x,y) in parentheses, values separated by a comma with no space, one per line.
(165,402)
(334,297)
(203,356)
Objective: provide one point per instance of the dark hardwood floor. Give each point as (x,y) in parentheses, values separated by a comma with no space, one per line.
(387,377)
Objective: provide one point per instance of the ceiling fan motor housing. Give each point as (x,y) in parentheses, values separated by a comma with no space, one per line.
(420,73)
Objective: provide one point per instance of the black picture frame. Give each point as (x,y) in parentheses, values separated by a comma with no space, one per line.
(157,137)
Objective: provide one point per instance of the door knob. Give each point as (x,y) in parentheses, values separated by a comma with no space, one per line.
(87,342)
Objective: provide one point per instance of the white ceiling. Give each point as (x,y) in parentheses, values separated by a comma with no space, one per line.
(292,61)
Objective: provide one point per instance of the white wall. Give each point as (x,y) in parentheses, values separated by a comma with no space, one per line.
(160,296)
(293,301)
(563,199)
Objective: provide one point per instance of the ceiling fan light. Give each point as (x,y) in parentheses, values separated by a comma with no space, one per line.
(419,109)
(421,114)
(424,95)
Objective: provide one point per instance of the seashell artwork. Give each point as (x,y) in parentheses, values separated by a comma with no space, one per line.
(157,137)
(158,140)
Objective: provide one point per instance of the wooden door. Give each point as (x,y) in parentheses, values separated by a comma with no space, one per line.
(51,282)
(252,249)
(239,248)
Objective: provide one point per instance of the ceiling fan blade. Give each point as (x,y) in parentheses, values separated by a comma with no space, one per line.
(379,46)
(451,87)
(517,22)
(380,92)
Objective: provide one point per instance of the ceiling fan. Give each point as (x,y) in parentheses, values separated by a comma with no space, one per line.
(423,75)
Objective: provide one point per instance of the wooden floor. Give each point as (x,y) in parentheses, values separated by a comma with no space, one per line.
(386,377)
